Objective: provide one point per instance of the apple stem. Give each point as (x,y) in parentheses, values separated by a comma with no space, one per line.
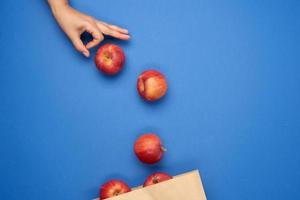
(163,148)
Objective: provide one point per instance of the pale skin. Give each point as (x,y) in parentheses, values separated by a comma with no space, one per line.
(74,23)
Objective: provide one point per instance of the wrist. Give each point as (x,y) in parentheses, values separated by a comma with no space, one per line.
(57,5)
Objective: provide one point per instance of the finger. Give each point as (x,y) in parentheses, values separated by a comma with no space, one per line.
(119,29)
(79,46)
(94,42)
(107,31)
(97,36)
(116,28)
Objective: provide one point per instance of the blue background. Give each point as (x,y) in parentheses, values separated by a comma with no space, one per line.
(232,110)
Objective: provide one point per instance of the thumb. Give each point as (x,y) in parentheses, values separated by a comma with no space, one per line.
(79,46)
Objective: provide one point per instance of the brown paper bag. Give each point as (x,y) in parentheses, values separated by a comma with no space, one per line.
(187,186)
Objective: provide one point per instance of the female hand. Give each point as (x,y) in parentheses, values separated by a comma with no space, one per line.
(74,23)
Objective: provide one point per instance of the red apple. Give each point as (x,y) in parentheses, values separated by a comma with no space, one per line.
(156,178)
(148,148)
(113,188)
(152,85)
(110,59)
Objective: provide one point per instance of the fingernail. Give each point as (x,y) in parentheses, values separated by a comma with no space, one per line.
(85,53)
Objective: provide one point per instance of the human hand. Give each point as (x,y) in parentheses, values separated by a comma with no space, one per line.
(74,23)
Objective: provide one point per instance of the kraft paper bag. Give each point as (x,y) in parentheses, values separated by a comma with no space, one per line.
(187,186)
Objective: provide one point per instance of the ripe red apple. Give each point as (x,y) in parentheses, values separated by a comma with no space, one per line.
(110,59)
(113,188)
(148,148)
(156,178)
(152,85)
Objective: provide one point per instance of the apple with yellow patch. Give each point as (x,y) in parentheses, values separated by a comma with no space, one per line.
(113,188)
(110,59)
(152,85)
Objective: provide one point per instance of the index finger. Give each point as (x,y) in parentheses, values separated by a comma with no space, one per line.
(116,28)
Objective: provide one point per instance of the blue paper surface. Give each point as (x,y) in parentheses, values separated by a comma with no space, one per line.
(232,109)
